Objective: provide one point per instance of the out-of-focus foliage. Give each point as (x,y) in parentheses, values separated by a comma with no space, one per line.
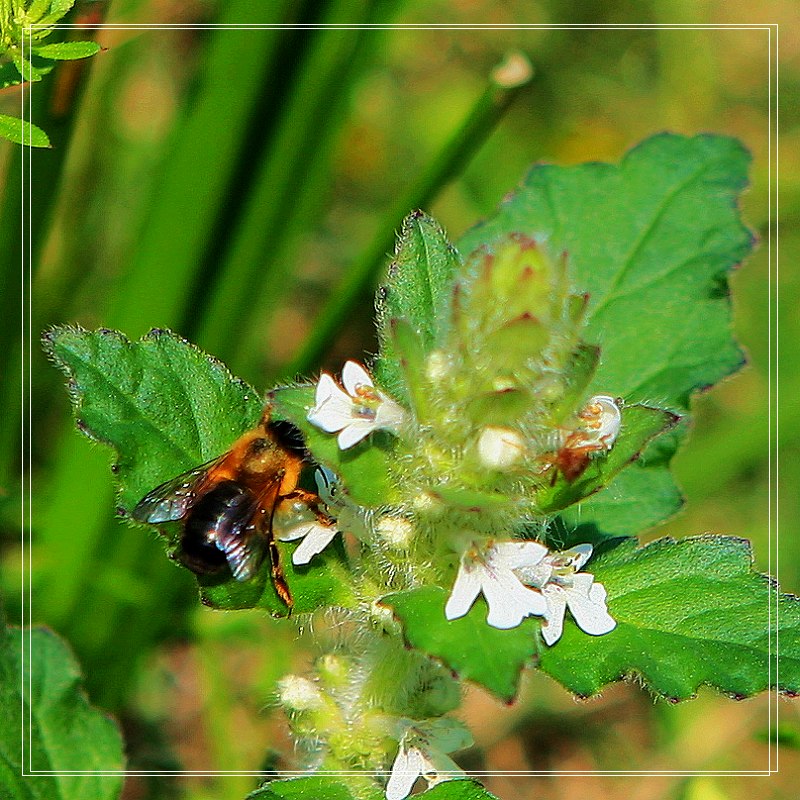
(40,681)
(25,55)
(159,145)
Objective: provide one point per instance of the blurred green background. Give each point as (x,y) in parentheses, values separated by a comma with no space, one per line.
(227,184)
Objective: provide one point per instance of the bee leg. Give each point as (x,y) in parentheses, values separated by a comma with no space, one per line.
(312,502)
(278,578)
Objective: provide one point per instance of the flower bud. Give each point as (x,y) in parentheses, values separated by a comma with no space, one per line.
(396,532)
(500,448)
(299,694)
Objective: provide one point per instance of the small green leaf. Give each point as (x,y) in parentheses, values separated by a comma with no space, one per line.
(63,732)
(27,70)
(469,646)
(640,424)
(688,613)
(316,787)
(417,290)
(20,131)
(66,51)
(363,468)
(499,407)
(578,376)
(166,407)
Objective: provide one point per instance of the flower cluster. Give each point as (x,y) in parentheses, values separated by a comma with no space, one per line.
(519,579)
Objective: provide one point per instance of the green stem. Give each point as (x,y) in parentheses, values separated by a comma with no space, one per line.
(504,86)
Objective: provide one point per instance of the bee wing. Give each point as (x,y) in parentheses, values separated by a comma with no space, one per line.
(243,546)
(244,543)
(172,500)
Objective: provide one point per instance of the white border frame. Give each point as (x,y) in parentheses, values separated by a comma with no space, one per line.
(772,373)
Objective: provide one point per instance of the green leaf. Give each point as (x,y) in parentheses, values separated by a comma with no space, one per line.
(469,646)
(417,290)
(688,613)
(458,790)
(641,496)
(161,403)
(62,731)
(9,76)
(316,787)
(20,131)
(166,407)
(650,240)
(323,582)
(27,70)
(66,51)
(409,354)
(364,468)
(640,424)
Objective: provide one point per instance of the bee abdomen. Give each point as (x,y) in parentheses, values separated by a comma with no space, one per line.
(224,512)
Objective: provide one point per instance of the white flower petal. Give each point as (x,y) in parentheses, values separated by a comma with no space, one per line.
(603,420)
(334,409)
(589,610)
(510,602)
(317,538)
(465,591)
(353,376)
(356,431)
(406,769)
(516,555)
(556,608)
(389,415)
(296,532)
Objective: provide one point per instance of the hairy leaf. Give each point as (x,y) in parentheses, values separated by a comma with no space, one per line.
(458,790)
(166,407)
(650,241)
(688,613)
(62,732)
(417,290)
(469,645)
(316,787)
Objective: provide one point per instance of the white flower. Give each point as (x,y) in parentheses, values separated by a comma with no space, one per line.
(500,448)
(358,410)
(557,577)
(600,422)
(491,571)
(316,536)
(423,752)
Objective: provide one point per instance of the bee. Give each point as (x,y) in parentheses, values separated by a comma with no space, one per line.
(227,506)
